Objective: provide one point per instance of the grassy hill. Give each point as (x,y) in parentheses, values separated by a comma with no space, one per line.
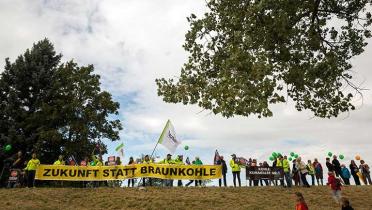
(179,198)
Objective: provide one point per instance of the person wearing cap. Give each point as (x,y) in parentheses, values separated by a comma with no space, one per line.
(179,161)
(168,160)
(235,168)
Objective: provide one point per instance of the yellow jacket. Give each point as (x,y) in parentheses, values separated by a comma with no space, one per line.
(286,165)
(234,166)
(32,165)
(59,162)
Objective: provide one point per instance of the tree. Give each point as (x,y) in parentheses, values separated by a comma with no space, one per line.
(53,108)
(248,54)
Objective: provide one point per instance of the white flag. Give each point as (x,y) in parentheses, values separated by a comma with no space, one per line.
(168,138)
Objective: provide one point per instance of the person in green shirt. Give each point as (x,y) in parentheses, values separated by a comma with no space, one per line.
(196,162)
(31,170)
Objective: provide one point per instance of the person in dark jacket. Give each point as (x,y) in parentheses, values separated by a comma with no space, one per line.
(354,170)
(318,171)
(337,166)
(222,162)
(329,165)
(364,169)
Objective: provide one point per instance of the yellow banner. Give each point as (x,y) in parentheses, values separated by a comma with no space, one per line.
(97,173)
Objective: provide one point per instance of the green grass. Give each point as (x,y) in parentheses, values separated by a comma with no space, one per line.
(179,198)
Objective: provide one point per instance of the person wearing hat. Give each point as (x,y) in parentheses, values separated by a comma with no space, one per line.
(179,161)
(235,168)
(168,160)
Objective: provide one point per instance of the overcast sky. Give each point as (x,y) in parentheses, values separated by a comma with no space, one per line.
(133,42)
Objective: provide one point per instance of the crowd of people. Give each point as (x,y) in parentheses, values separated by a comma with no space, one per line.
(294,173)
(297,172)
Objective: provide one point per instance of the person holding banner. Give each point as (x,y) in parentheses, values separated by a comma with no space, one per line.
(235,168)
(147,160)
(222,162)
(60,161)
(131,162)
(31,170)
(198,162)
(168,160)
(179,161)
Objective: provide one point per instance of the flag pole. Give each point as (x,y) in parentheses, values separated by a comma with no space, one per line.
(161,135)
(154,149)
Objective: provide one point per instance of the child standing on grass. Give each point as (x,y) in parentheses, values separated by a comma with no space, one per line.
(335,184)
(301,204)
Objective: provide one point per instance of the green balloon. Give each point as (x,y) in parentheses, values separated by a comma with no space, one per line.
(271,158)
(8,148)
(330,154)
(341,157)
(296,156)
(186,147)
(279,154)
(292,154)
(274,155)
(290,159)
(92,163)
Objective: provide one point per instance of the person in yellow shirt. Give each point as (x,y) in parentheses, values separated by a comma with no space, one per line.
(31,170)
(60,161)
(235,168)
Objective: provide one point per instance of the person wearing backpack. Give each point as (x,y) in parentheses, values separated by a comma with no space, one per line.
(318,171)
(335,184)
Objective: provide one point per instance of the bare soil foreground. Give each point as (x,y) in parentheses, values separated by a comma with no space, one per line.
(179,198)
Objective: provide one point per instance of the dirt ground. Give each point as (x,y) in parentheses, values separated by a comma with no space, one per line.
(179,198)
